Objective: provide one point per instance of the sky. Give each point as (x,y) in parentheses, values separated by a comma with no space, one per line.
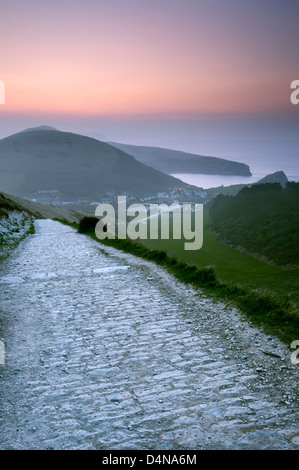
(206,76)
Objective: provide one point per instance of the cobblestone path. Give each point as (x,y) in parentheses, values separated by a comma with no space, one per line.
(107,351)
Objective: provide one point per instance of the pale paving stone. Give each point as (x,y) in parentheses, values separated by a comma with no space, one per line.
(107,351)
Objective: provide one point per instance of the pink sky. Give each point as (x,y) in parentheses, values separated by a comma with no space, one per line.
(97,58)
(207,76)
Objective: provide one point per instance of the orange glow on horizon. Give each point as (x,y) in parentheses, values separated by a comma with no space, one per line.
(66,92)
(119,59)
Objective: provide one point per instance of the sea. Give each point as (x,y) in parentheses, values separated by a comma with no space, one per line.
(213,181)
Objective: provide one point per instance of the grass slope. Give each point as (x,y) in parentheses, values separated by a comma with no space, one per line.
(232,266)
(9,202)
(263,220)
(256,288)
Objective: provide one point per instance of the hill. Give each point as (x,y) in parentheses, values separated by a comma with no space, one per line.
(74,167)
(277,177)
(10,203)
(262,220)
(174,161)
(232,190)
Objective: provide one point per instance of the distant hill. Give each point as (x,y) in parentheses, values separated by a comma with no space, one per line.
(40,128)
(277,177)
(232,190)
(174,161)
(76,166)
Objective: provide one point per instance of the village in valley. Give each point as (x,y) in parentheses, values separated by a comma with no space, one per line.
(173,195)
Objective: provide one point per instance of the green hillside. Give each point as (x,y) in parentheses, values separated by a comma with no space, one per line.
(262,219)
(268,295)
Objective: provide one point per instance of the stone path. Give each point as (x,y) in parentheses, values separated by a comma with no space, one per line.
(107,351)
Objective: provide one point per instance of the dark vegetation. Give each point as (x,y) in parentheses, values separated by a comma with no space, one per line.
(262,219)
(88,224)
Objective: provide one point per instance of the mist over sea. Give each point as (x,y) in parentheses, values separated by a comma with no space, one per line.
(213,181)
(266,144)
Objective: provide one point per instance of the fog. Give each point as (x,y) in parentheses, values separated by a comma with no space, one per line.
(261,142)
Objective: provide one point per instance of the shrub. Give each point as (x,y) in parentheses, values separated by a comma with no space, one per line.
(88,223)
(207,275)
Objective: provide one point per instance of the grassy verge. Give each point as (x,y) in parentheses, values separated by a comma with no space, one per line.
(275,313)
(233,266)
